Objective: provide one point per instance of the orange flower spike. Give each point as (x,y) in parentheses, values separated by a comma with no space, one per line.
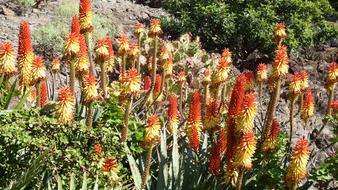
(131,82)
(222,72)
(246,116)
(236,101)
(173,114)
(164,55)
(295,85)
(146,83)
(86,16)
(166,61)
(56,66)
(215,160)
(250,78)
(123,42)
(271,140)
(280,32)
(75,25)
(221,140)
(158,82)
(262,73)
(98,150)
(25,54)
(152,131)
(308,106)
(7,60)
(206,77)
(82,65)
(297,166)
(280,65)
(332,74)
(134,51)
(334,106)
(212,116)
(110,164)
(72,45)
(39,70)
(226,56)
(245,150)
(139,29)
(181,77)
(194,121)
(305,80)
(102,50)
(155,27)
(64,106)
(90,90)
(44,93)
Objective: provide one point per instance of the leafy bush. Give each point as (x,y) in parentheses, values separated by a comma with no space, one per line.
(246,26)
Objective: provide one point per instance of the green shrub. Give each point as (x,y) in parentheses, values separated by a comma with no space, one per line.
(246,26)
(25,4)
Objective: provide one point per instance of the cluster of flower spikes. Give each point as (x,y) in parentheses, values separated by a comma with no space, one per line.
(236,101)
(194,125)
(271,139)
(7,60)
(25,55)
(296,170)
(152,131)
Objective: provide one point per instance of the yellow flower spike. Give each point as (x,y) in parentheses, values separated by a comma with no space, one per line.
(82,64)
(297,167)
(7,60)
(39,70)
(247,114)
(90,93)
(56,66)
(72,45)
(155,28)
(280,65)
(131,82)
(262,74)
(123,42)
(64,106)
(245,150)
(152,131)
(296,85)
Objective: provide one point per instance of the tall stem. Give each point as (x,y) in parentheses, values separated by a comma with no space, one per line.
(271,108)
(89,119)
(124,63)
(240,179)
(292,105)
(260,89)
(104,78)
(89,39)
(124,132)
(180,106)
(138,66)
(38,94)
(147,167)
(301,101)
(331,96)
(72,76)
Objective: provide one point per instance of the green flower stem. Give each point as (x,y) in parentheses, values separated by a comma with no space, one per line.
(53,85)
(72,76)
(240,179)
(89,39)
(147,167)
(301,102)
(271,108)
(292,107)
(38,94)
(206,97)
(138,65)
(89,116)
(180,106)
(330,100)
(103,66)
(124,132)
(260,89)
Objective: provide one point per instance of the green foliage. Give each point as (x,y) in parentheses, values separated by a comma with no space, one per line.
(246,26)
(25,4)
(49,42)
